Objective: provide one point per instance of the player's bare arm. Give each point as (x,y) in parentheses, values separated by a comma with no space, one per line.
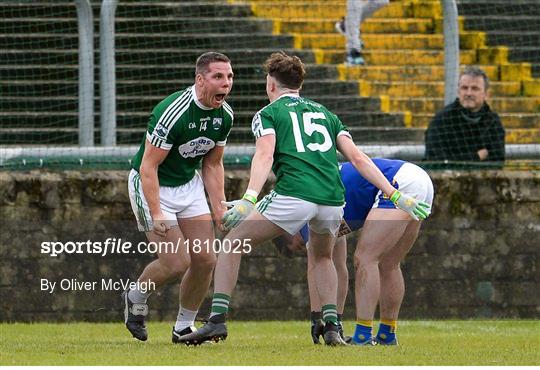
(262,161)
(152,158)
(416,209)
(213,175)
(364,164)
(261,165)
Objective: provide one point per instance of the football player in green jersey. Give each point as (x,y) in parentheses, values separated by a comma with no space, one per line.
(168,195)
(298,139)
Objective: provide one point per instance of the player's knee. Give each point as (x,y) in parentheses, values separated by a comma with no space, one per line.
(364,260)
(204,262)
(322,256)
(177,268)
(387,266)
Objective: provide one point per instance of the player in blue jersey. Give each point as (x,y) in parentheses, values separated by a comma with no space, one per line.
(387,235)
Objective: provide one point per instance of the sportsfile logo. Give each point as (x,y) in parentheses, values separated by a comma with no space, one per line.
(113,246)
(109,246)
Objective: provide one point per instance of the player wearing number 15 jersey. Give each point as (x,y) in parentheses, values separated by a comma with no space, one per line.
(305,156)
(298,139)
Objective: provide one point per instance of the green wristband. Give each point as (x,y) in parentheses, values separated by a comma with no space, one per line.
(250,198)
(394,198)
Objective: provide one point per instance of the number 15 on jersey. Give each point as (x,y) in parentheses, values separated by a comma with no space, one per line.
(309,127)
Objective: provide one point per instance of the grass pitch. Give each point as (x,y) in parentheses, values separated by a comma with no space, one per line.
(497,342)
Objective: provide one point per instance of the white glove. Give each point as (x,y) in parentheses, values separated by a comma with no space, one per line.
(417,209)
(241,208)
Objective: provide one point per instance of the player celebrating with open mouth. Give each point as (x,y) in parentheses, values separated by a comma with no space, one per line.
(168,195)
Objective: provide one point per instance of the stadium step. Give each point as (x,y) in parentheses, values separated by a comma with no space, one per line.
(508,120)
(507,72)
(373,41)
(535,69)
(432,89)
(378,25)
(497,7)
(202,24)
(29,119)
(523,136)
(38,25)
(506,104)
(144,55)
(161,41)
(17,9)
(43,136)
(515,39)
(337,9)
(148,25)
(501,22)
(396,57)
(400,73)
(525,54)
(182,9)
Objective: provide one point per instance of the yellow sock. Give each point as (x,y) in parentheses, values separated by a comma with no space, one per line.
(368,323)
(391,323)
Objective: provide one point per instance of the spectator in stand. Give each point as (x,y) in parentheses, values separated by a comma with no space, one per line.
(349,26)
(467,129)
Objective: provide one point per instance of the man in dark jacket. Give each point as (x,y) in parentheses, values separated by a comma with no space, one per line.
(467,129)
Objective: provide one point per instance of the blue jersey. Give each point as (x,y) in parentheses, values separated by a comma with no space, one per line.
(360,194)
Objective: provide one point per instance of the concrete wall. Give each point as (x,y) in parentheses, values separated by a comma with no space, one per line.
(475,257)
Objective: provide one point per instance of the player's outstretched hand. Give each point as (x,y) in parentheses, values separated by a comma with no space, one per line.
(417,209)
(241,208)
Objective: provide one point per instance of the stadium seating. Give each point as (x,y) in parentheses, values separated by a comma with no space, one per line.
(391,99)
(404,55)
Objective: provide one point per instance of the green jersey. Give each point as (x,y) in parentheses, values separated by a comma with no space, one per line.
(188,130)
(305,157)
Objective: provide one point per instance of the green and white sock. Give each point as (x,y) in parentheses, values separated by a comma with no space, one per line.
(329,313)
(220,304)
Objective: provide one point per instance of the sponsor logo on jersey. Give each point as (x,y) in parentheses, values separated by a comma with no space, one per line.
(192,125)
(256,123)
(196,147)
(216,123)
(161,131)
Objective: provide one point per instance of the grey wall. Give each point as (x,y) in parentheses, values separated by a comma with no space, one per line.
(475,257)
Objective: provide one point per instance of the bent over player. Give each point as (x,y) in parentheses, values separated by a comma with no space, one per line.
(297,138)
(167,193)
(386,237)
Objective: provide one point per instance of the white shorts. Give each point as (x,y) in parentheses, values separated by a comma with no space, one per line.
(291,214)
(411,180)
(183,201)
